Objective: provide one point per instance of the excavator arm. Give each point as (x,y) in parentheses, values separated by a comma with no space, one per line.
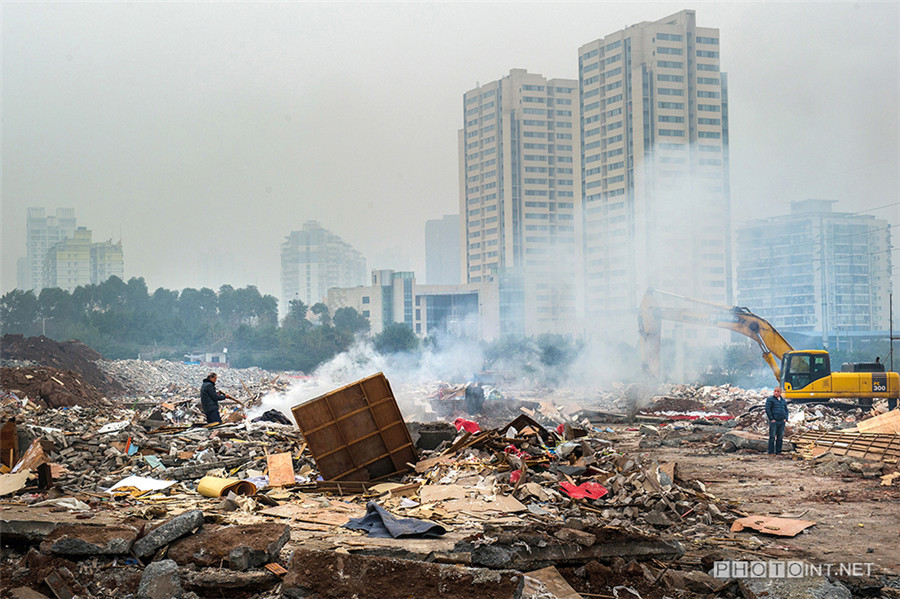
(739,320)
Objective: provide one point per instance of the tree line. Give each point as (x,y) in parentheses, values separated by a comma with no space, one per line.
(123,320)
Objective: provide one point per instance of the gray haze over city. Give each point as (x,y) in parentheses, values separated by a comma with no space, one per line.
(197,131)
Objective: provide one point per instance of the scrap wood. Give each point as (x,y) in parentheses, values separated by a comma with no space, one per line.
(889,422)
(33,458)
(10,483)
(782,527)
(871,446)
(281,469)
(888,479)
(554,582)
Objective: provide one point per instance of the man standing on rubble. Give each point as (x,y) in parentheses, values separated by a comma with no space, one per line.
(210,398)
(776,414)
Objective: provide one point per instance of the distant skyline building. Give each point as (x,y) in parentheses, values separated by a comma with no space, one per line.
(654,156)
(816,271)
(313,260)
(442,256)
(518,176)
(470,310)
(78,261)
(42,233)
(107,260)
(67,264)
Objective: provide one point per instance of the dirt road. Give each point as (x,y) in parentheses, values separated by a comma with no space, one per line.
(858,519)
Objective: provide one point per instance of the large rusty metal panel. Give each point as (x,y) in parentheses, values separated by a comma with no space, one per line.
(356,433)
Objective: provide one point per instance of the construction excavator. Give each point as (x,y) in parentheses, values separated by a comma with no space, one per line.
(804,375)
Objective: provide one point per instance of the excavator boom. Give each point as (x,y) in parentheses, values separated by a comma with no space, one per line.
(739,320)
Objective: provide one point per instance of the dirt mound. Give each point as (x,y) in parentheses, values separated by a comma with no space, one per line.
(55,387)
(64,355)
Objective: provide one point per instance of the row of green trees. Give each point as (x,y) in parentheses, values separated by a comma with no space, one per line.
(123,320)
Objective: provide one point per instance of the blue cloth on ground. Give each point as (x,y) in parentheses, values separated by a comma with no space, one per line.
(379,522)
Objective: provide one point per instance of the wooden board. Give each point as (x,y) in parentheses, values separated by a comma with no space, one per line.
(782,527)
(336,514)
(555,583)
(883,423)
(356,433)
(868,446)
(281,469)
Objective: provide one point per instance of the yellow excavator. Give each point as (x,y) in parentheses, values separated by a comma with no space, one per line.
(803,375)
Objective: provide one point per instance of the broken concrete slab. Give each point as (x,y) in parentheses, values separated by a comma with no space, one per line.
(793,588)
(747,440)
(167,532)
(529,548)
(316,574)
(26,593)
(227,583)
(239,547)
(32,525)
(160,580)
(81,540)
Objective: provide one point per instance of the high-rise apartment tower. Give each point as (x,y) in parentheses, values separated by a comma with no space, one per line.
(654,155)
(519,196)
(313,260)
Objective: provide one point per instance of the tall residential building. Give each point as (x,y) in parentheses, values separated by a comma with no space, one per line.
(518,171)
(107,260)
(313,260)
(654,155)
(815,270)
(442,250)
(67,264)
(42,233)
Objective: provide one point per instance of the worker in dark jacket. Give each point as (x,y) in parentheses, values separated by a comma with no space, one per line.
(210,398)
(776,413)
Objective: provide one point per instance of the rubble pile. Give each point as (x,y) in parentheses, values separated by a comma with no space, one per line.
(96,447)
(532,500)
(66,355)
(695,401)
(162,378)
(48,387)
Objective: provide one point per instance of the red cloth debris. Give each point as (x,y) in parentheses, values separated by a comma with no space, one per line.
(561,428)
(588,489)
(462,423)
(514,476)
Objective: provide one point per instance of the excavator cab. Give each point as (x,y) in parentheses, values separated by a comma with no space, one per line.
(799,369)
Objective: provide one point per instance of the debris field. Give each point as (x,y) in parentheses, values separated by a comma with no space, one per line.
(111,486)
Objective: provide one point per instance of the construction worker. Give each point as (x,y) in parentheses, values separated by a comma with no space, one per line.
(210,398)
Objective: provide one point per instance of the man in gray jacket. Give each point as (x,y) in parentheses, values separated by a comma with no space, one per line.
(777,414)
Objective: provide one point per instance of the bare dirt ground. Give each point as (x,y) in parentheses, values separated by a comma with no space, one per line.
(858,519)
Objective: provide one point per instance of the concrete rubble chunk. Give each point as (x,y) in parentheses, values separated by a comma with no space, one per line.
(165,533)
(160,580)
(570,535)
(817,587)
(748,440)
(241,547)
(86,539)
(312,574)
(26,593)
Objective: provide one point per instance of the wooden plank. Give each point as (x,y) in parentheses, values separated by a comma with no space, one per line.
(782,527)
(281,469)
(883,423)
(555,583)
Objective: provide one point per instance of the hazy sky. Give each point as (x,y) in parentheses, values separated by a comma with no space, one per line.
(218,128)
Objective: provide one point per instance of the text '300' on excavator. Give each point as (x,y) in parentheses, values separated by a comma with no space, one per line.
(804,375)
